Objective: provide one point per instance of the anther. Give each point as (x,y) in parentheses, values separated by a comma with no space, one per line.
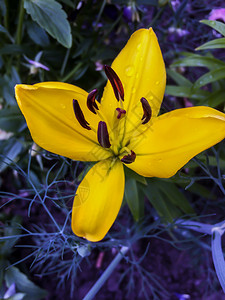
(120,112)
(147,111)
(79,115)
(115,82)
(103,135)
(91,103)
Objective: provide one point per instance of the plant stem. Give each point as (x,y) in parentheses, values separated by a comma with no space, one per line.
(20,23)
(71,73)
(6,16)
(99,283)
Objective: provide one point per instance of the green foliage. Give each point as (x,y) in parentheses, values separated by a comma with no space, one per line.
(50,16)
(212,81)
(10,275)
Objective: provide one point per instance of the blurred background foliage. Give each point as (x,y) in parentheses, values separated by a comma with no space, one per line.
(70,41)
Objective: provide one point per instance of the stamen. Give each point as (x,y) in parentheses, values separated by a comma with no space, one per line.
(129,158)
(103,135)
(121,113)
(147,110)
(80,116)
(115,82)
(91,103)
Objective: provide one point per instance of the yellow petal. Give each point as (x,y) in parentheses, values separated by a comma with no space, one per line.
(174,138)
(98,200)
(48,110)
(141,69)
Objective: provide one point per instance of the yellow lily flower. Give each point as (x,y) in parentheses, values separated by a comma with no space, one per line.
(122,129)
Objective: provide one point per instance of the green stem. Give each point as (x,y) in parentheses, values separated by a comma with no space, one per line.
(6,16)
(99,283)
(71,73)
(20,23)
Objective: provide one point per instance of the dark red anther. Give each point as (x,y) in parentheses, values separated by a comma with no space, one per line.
(103,135)
(129,158)
(115,82)
(120,113)
(79,115)
(91,103)
(147,111)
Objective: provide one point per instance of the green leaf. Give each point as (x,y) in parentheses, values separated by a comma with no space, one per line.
(51,17)
(17,296)
(131,196)
(215,44)
(159,203)
(11,149)
(209,77)
(167,199)
(23,284)
(218,26)
(184,91)
(37,34)
(175,196)
(178,78)
(218,258)
(11,119)
(199,61)
(134,175)
(215,98)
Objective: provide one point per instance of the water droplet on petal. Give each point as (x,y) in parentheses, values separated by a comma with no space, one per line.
(151,98)
(139,46)
(63,106)
(129,71)
(157,83)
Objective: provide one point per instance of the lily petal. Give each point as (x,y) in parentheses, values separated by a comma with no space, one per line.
(141,69)
(98,200)
(48,110)
(174,138)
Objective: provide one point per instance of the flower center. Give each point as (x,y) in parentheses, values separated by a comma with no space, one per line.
(113,142)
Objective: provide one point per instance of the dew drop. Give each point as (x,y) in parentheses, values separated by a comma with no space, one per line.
(129,71)
(157,83)
(151,98)
(133,90)
(63,106)
(139,46)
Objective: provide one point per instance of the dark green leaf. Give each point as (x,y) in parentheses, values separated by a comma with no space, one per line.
(209,77)
(195,60)
(37,34)
(184,91)
(218,258)
(23,284)
(215,44)
(178,78)
(50,16)
(11,119)
(218,26)
(9,152)
(131,195)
